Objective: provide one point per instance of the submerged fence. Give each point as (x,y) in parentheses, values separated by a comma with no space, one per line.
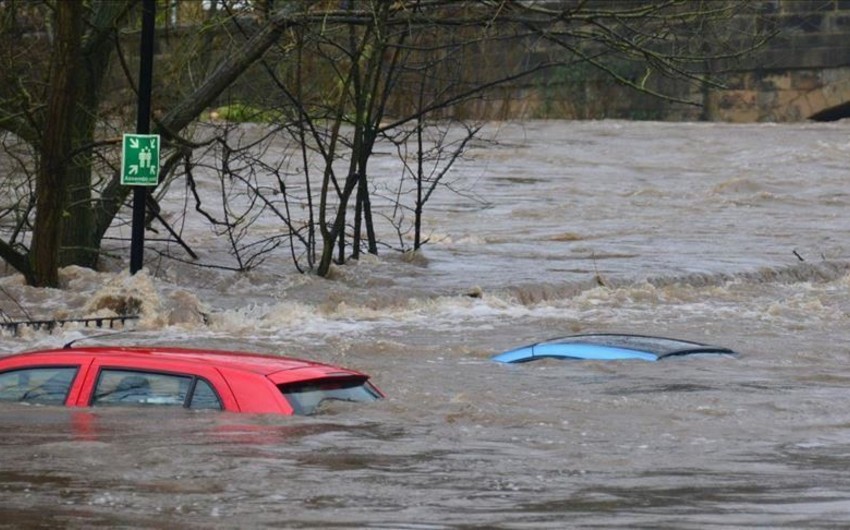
(15,326)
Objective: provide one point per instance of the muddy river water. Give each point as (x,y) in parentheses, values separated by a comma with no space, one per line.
(737,235)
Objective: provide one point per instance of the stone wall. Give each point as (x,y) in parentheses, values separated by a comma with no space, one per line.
(802,73)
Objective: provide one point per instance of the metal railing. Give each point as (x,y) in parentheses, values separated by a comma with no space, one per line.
(15,325)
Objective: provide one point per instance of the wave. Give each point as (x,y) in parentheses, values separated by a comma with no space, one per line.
(824,271)
(803,292)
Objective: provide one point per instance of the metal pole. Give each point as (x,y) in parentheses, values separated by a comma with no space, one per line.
(140,193)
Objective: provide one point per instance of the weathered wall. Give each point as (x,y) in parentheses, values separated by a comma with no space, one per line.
(803,71)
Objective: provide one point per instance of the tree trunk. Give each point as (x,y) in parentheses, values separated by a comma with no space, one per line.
(332,235)
(52,173)
(80,245)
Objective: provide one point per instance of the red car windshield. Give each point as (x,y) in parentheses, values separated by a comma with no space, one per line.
(305,397)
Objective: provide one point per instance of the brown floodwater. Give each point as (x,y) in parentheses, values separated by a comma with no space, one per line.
(731,234)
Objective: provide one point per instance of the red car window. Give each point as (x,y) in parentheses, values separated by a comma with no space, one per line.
(48,385)
(204,397)
(130,387)
(305,397)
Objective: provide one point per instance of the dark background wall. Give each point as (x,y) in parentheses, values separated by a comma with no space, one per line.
(802,73)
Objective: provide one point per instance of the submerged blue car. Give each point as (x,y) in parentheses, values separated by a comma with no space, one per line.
(609,347)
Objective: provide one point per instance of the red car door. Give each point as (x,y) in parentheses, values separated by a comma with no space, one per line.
(59,359)
(209,374)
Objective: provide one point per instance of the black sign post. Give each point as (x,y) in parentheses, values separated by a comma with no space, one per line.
(140,193)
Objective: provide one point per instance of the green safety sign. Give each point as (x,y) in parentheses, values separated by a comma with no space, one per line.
(140,160)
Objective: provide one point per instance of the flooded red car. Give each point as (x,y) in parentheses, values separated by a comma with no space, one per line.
(178,377)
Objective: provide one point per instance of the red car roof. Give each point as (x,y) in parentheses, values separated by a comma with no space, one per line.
(251,362)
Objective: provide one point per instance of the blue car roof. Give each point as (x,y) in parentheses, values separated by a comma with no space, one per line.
(609,347)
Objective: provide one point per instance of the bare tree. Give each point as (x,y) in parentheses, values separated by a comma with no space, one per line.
(349,74)
(376,71)
(70,220)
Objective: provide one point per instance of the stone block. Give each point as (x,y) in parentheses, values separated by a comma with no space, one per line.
(805,23)
(836,93)
(736,99)
(736,80)
(816,101)
(837,22)
(766,99)
(794,112)
(787,98)
(803,6)
(777,81)
(818,40)
(806,80)
(836,75)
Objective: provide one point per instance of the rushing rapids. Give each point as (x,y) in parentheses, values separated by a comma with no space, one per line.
(727,234)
